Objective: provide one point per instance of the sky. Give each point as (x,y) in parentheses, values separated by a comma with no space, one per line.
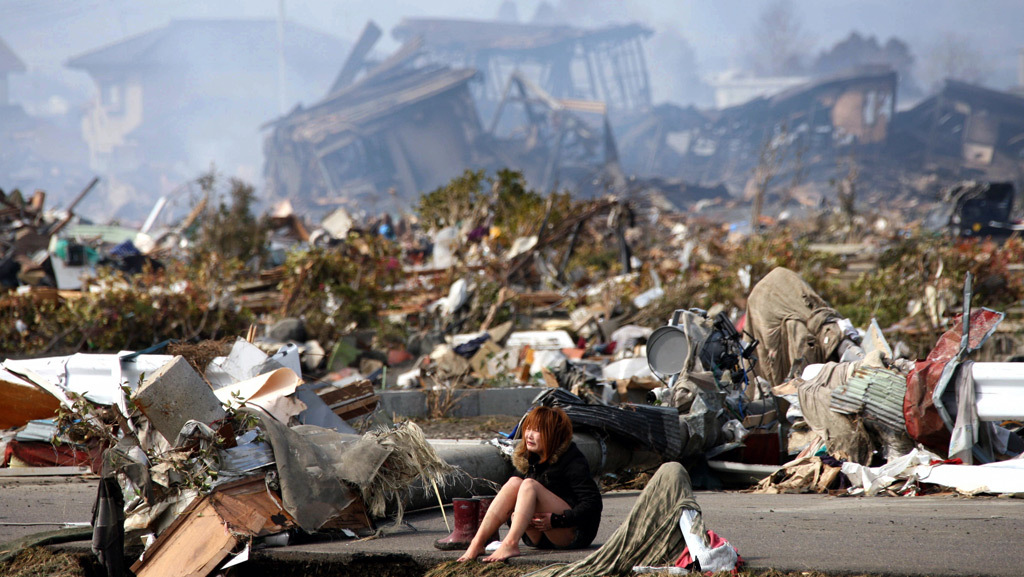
(45,33)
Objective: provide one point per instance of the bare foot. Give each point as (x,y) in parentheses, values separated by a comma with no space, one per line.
(471,553)
(504,552)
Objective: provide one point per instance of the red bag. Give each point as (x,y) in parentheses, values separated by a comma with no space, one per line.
(924,423)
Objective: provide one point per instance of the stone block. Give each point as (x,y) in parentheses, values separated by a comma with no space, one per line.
(175,394)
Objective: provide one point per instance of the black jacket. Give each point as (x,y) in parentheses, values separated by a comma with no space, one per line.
(566,474)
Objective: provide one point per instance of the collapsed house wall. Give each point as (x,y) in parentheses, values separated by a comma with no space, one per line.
(794,130)
(967,130)
(606,64)
(408,131)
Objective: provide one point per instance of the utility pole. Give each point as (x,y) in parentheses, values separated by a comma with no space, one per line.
(282,100)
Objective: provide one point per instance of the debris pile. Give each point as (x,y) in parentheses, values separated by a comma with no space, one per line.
(773,374)
(716,296)
(243,445)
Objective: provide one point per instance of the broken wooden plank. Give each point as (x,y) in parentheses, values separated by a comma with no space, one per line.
(336,396)
(357,408)
(194,544)
(206,532)
(357,57)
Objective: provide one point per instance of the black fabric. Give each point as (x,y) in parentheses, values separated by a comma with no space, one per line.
(108,527)
(546,543)
(654,427)
(468,349)
(569,478)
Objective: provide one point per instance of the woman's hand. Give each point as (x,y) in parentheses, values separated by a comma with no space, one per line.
(541,522)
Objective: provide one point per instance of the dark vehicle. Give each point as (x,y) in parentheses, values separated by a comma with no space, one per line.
(981,209)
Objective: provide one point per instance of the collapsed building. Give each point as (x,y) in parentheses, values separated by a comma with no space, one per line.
(571,109)
(604,65)
(407,126)
(361,142)
(795,134)
(964,131)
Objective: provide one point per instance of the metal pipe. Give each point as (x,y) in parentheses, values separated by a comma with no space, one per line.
(999,391)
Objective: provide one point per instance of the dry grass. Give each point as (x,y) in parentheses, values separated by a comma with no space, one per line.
(442,401)
(40,562)
(200,354)
(627,481)
(478,569)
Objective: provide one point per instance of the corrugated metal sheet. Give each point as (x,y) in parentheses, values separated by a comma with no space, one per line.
(874,393)
(379,101)
(656,428)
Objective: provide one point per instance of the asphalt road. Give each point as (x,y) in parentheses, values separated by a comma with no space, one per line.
(930,535)
(35,504)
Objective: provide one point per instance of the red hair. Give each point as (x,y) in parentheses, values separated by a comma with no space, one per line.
(554,427)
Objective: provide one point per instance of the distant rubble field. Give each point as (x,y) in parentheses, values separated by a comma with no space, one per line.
(480,427)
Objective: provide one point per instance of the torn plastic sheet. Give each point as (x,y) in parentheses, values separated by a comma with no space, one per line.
(245,458)
(239,365)
(1000,477)
(871,480)
(97,377)
(312,461)
(270,391)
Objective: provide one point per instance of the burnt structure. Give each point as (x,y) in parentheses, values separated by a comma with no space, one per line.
(606,64)
(571,109)
(391,130)
(965,131)
(399,130)
(794,130)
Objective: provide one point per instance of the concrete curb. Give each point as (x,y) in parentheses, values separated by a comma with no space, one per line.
(474,402)
(464,402)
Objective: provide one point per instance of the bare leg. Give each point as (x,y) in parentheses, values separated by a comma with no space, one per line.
(532,498)
(497,514)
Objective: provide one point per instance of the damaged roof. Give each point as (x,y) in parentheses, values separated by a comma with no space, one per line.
(364,103)
(210,39)
(799,97)
(477,35)
(994,101)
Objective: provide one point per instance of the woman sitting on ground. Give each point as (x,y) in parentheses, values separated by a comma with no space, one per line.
(552,499)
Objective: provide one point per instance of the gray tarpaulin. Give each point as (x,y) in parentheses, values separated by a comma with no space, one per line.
(844,436)
(697,329)
(649,536)
(312,463)
(695,393)
(792,323)
(700,402)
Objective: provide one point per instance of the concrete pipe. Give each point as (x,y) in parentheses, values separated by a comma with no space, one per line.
(483,469)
